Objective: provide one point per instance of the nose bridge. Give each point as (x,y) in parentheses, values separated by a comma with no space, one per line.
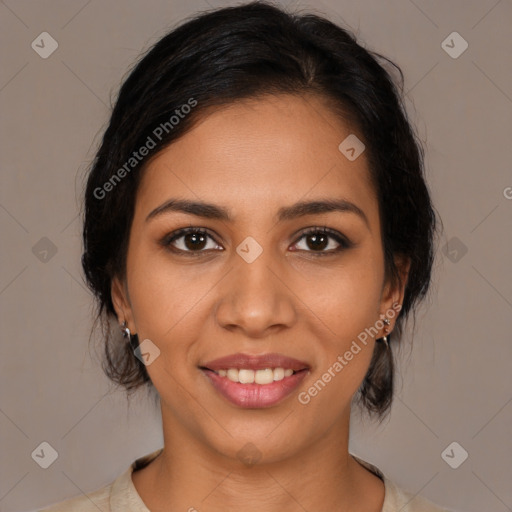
(255,298)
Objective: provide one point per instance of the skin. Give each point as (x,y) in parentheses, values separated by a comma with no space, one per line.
(254,157)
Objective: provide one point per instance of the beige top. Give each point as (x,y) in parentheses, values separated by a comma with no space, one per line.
(121,495)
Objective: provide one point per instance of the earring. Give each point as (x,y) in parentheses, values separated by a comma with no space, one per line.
(132,339)
(126,332)
(384,339)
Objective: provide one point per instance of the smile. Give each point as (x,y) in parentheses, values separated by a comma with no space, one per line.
(255,381)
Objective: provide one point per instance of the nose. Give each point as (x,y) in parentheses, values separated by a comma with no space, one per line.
(255,298)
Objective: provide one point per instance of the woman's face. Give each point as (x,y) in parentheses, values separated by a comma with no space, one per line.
(255,287)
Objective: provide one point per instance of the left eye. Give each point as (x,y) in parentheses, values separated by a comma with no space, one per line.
(321,241)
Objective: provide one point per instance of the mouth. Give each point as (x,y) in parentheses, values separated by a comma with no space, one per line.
(255,381)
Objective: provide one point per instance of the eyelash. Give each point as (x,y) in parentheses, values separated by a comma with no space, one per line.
(343,242)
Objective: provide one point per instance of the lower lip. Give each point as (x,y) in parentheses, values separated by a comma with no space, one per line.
(255,396)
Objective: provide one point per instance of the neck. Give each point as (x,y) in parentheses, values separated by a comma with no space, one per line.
(189,475)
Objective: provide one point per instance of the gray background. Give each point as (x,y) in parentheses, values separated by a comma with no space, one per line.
(456,382)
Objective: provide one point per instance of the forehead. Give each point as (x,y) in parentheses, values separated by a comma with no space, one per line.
(271,150)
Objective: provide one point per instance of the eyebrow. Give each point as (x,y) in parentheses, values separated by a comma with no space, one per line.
(300,209)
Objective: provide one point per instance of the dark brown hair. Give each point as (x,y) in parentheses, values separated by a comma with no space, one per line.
(234,53)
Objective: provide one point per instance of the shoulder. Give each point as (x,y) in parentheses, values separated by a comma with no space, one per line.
(118,496)
(397,499)
(91,502)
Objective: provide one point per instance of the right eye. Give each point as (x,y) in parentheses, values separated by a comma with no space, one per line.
(189,240)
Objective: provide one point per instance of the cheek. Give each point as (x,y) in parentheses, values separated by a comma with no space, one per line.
(349,305)
(353,301)
(170,310)
(345,354)
(162,294)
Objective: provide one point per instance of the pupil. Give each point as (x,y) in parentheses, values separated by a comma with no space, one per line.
(194,238)
(318,241)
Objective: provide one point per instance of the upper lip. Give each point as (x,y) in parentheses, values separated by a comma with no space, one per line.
(253,362)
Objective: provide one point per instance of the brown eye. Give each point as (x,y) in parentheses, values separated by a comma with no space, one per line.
(317,242)
(323,241)
(191,240)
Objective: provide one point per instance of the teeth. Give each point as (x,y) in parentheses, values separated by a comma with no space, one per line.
(245,376)
(279,374)
(232,374)
(264,376)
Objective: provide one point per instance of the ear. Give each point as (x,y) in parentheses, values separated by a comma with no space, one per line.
(393,292)
(122,305)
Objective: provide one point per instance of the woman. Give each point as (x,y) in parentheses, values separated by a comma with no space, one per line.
(258,224)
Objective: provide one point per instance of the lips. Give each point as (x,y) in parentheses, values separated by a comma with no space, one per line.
(252,394)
